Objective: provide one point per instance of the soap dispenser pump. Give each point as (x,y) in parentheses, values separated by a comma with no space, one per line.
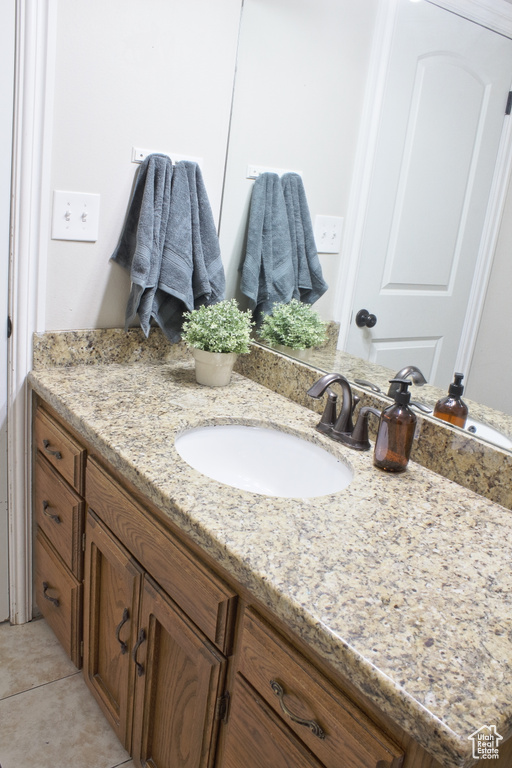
(396,431)
(451,408)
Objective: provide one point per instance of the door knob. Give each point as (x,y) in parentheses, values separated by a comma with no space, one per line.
(364,318)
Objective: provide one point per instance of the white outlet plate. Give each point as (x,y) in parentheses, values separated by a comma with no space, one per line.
(76,216)
(327,231)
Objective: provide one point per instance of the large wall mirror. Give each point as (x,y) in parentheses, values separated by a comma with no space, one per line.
(301,104)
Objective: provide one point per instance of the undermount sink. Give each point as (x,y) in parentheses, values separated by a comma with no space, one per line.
(263,460)
(488,433)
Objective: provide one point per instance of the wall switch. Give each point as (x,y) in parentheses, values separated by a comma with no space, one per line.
(75,216)
(327,231)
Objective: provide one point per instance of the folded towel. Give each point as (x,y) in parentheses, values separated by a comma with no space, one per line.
(141,244)
(309,281)
(267,271)
(186,269)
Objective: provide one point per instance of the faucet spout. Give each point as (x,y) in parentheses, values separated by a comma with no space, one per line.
(408,372)
(343,423)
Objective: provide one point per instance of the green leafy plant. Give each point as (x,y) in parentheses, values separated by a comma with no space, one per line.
(295,325)
(221,327)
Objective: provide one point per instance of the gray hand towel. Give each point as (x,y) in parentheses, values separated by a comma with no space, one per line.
(267,271)
(309,281)
(141,244)
(170,246)
(191,272)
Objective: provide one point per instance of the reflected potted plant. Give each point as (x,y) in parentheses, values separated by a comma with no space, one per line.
(217,334)
(293,328)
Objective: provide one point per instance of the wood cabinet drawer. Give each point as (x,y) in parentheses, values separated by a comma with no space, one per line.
(258,737)
(58,596)
(205,598)
(59,512)
(346,735)
(60,448)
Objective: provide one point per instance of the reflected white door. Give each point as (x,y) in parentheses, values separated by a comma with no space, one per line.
(441,123)
(6,113)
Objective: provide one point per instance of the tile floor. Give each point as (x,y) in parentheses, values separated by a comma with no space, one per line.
(48,718)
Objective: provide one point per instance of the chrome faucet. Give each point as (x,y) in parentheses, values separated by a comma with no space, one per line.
(409,372)
(341,427)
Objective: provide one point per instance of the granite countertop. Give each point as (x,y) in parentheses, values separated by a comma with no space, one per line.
(402,583)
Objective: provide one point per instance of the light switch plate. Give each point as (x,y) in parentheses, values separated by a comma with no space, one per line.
(75,216)
(327,233)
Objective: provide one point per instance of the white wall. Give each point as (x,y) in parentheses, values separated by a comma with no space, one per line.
(151,73)
(159,74)
(300,85)
(490,374)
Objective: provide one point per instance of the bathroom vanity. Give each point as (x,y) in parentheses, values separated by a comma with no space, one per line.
(370,627)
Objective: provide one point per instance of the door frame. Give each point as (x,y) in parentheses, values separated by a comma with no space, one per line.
(6,100)
(36,24)
(497,16)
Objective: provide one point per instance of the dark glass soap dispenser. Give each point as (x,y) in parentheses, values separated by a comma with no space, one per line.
(452,409)
(396,431)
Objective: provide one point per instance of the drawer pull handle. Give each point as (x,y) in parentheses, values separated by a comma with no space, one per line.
(311,724)
(47,597)
(140,640)
(55,518)
(57,454)
(123,621)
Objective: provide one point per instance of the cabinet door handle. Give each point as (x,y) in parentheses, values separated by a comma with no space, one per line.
(140,640)
(55,518)
(57,454)
(123,621)
(47,597)
(311,724)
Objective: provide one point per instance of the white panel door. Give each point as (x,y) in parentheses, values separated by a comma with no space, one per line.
(441,123)
(6,113)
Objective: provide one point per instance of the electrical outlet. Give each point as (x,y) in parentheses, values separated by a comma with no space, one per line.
(75,216)
(327,233)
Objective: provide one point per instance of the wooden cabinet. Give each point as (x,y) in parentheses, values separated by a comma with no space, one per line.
(158,676)
(282,699)
(184,666)
(58,507)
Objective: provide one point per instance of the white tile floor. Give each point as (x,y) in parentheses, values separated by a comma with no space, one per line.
(48,718)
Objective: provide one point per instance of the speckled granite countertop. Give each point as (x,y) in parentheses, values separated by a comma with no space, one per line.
(401,582)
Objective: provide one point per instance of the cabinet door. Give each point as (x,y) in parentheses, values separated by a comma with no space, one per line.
(179,683)
(257,738)
(112,594)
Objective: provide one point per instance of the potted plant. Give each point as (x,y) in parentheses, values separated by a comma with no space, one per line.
(293,328)
(217,334)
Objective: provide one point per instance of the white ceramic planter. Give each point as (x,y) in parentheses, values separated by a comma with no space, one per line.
(213,369)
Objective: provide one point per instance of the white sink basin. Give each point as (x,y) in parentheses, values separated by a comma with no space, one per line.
(488,433)
(263,460)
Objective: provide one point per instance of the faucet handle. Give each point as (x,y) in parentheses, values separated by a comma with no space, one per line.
(359,437)
(328,419)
